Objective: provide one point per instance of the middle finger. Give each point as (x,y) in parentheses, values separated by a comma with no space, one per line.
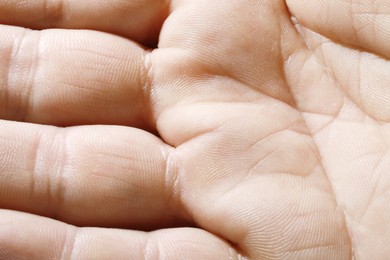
(67,77)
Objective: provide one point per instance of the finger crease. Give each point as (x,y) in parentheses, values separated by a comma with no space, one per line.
(151,249)
(68,248)
(147,81)
(32,79)
(53,12)
(36,167)
(58,187)
(172,182)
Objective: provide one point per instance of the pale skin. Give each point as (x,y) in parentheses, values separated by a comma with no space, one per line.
(257,129)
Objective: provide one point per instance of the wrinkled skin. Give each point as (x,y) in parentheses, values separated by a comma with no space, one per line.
(257,129)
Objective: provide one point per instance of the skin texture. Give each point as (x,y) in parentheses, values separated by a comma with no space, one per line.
(257,129)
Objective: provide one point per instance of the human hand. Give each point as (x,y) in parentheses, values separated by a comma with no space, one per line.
(274,133)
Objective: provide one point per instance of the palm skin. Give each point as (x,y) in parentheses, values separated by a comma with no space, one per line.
(271,117)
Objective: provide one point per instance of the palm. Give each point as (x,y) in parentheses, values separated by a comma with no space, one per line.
(276,137)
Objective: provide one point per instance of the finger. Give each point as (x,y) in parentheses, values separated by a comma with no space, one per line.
(363,24)
(50,239)
(65,77)
(139,20)
(95,175)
